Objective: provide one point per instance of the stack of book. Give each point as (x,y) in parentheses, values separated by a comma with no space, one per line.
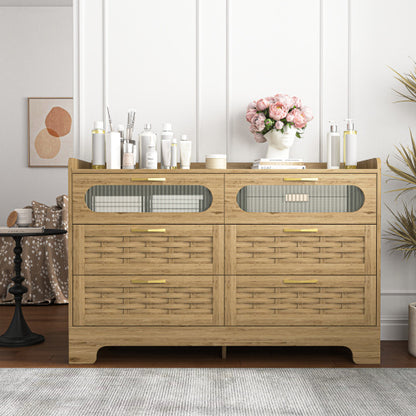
(278,164)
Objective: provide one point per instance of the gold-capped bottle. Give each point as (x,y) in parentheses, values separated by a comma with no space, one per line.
(350,145)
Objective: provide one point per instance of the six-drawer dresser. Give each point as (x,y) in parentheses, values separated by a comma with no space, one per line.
(233,257)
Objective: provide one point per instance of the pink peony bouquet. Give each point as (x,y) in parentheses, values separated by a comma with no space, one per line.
(278,112)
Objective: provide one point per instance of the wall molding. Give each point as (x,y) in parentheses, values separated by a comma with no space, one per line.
(399,292)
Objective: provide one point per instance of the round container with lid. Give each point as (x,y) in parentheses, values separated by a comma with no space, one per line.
(216,161)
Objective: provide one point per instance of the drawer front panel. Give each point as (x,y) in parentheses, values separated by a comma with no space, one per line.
(147,249)
(301,198)
(146,300)
(305,300)
(147,199)
(294,249)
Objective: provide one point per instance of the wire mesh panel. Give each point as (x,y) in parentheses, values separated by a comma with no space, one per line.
(300,198)
(148,198)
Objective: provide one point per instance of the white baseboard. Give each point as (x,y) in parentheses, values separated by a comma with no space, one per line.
(394,327)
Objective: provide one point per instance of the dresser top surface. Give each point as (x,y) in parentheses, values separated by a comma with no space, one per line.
(366,167)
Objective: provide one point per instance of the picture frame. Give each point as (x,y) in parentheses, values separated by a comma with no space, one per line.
(50,131)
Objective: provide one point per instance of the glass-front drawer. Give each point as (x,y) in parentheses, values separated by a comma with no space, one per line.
(137,198)
(301,198)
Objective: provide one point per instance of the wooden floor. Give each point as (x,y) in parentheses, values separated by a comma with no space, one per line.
(51,321)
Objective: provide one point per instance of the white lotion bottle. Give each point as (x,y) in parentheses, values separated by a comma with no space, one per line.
(167,133)
(146,138)
(113,149)
(185,147)
(174,155)
(334,147)
(166,148)
(350,145)
(151,157)
(98,145)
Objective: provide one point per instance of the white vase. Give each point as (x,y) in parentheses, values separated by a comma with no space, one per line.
(279,143)
(412,329)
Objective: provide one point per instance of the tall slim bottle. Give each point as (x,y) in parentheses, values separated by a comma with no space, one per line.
(98,145)
(334,147)
(146,138)
(350,145)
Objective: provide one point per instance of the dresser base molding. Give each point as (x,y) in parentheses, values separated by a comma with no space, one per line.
(364,342)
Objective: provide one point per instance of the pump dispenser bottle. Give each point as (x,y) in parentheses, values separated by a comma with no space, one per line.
(334,147)
(350,145)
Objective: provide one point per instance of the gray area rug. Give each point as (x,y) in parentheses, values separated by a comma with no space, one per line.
(217,391)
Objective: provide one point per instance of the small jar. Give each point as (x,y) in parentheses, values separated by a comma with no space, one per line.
(217,161)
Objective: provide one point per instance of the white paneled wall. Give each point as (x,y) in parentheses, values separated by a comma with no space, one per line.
(197,64)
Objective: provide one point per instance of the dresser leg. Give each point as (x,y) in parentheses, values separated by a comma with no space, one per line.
(224,353)
(82,353)
(365,357)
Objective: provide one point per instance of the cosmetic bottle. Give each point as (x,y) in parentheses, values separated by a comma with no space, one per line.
(167,133)
(151,157)
(113,146)
(166,149)
(98,145)
(185,147)
(174,156)
(350,145)
(128,154)
(334,147)
(146,138)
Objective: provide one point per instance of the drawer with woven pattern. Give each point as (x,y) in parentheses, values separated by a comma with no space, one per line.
(148,300)
(148,249)
(305,300)
(301,249)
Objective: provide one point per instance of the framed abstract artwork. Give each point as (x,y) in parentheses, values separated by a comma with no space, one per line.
(50,131)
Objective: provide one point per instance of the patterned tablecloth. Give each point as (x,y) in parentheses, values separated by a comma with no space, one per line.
(45,259)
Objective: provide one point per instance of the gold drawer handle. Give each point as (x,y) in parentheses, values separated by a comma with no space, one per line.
(300,230)
(148,179)
(299,282)
(149,230)
(149,281)
(301,179)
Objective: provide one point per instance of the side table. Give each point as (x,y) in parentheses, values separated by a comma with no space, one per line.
(19,334)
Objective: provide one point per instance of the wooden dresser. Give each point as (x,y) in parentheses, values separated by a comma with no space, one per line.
(234,257)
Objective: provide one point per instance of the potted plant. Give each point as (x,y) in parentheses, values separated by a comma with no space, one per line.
(278,120)
(402,230)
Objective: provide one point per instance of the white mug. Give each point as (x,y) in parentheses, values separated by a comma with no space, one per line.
(24,217)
